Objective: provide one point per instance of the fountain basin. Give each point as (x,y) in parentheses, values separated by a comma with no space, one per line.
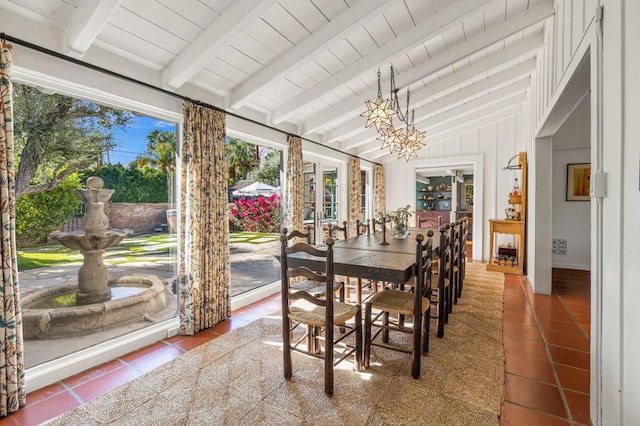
(86,319)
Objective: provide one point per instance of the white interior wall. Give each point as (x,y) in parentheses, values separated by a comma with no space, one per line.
(571,220)
(615,246)
(630,187)
(496,143)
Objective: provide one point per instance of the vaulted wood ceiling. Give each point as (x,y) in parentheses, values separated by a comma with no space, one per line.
(308,66)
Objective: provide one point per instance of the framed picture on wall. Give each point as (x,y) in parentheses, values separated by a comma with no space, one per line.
(578,181)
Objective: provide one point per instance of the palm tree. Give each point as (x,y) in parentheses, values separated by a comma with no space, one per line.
(241,156)
(161,151)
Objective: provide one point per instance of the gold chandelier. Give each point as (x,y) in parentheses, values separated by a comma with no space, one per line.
(406,140)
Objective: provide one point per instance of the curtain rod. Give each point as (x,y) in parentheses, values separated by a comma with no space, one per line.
(115,74)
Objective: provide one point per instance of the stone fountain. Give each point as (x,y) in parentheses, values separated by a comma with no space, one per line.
(95,303)
(92,277)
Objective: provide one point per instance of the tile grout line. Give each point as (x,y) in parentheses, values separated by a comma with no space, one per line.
(573,318)
(546,347)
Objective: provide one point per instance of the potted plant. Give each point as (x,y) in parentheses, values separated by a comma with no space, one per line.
(399,221)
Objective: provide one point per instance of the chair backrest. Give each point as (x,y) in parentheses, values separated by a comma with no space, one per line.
(333,227)
(444,262)
(289,274)
(306,235)
(362,228)
(454,231)
(424,256)
(376,225)
(464,233)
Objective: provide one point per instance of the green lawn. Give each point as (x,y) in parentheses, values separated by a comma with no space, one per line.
(141,248)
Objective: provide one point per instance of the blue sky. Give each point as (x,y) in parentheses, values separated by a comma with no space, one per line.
(132,141)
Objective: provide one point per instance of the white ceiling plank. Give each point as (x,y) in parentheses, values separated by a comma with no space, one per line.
(524,47)
(509,95)
(468,122)
(475,95)
(471,126)
(213,40)
(485,65)
(85,25)
(435,128)
(503,94)
(427,29)
(360,140)
(311,46)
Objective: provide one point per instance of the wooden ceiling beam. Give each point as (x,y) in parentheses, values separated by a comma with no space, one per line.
(354,17)
(218,35)
(356,104)
(85,24)
(425,30)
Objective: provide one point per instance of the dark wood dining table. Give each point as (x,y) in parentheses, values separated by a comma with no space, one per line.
(365,256)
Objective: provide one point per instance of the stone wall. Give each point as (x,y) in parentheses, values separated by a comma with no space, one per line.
(140,217)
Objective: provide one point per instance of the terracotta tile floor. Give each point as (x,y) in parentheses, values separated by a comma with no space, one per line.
(546,341)
(546,349)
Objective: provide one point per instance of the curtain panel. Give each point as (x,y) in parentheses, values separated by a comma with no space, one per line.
(13,393)
(355,194)
(294,202)
(204,268)
(379,200)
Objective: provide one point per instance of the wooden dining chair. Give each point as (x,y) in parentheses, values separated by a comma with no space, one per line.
(376,225)
(362,228)
(454,270)
(464,234)
(334,228)
(403,303)
(442,277)
(316,289)
(358,284)
(319,316)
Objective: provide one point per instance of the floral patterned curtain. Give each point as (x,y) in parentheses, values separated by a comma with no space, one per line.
(204,224)
(355,194)
(294,207)
(13,393)
(379,200)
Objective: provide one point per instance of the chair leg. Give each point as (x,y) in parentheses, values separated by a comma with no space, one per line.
(441,312)
(426,320)
(358,325)
(286,346)
(446,300)
(385,330)
(455,288)
(417,352)
(328,359)
(367,335)
(359,291)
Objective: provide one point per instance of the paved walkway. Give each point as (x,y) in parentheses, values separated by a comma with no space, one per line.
(252,265)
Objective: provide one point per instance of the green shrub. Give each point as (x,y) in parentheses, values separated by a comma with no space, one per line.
(41,213)
(132,184)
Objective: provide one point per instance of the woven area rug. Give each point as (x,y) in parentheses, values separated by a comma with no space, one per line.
(237,379)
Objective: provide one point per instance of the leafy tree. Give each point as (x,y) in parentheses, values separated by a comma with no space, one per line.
(241,156)
(56,135)
(40,213)
(269,171)
(161,151)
